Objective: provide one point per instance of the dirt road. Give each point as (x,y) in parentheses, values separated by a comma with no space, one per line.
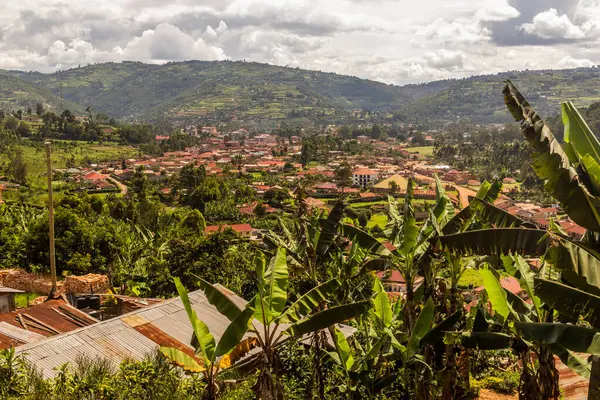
(122,187)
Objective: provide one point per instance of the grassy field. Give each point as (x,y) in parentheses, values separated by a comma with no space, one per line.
(84,153)
(378,219)
(368,204)
(34,155)
(423,150)
(21,299)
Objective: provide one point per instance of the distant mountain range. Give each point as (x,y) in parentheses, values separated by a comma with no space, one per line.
(247,91)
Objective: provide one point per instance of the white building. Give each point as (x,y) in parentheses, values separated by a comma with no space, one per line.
(364,177)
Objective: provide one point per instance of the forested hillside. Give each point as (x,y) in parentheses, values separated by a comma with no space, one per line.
(476,98)
(217,89)
(228,90)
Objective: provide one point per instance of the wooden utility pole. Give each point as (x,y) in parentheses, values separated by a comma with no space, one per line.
(51,219)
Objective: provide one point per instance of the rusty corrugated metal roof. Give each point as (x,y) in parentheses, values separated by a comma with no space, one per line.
(19,335)
(162,339)
(134,335)
(8,342)
(47,319)
(131,336)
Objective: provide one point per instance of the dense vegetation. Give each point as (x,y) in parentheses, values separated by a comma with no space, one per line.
(316,271)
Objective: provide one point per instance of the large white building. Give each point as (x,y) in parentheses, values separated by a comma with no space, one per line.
(364,177)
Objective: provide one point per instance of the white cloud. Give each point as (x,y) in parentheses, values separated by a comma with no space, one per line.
(446,60)
(569,62)
(388,40)
(167,42)
(550,25)
(497,11)
(456,31)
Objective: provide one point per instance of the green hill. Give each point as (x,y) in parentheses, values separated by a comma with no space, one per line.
(480,98)
(18,94)
(246,91)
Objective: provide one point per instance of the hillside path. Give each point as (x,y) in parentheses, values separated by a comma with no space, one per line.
(121,186)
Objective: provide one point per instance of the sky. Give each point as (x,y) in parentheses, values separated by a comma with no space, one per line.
(393,41)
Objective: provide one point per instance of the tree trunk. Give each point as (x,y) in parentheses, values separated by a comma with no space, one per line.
(547,375)
(594,388)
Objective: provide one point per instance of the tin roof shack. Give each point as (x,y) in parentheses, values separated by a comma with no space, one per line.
(134,335)
(7,299)
(47,319)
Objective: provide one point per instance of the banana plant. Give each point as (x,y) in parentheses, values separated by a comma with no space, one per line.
(275,321)
(387,355)
(571,175)
(309,241)
(210,357)
(366,367)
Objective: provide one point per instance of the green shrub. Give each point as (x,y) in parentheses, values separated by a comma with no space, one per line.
(500,382)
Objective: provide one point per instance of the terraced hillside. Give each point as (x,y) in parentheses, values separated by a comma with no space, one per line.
(18,94)
(246,91)
(479,98)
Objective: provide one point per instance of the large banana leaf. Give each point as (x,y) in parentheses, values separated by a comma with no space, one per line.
(444,216)
(439,216)
(309,301)
(518,267)
(481,207)
(485,340)
(480,323)
(571,337)
(421,327)
(178,357)
(460,222)
(552,164)
(494,216)
(497,241)
(206,341)
(343,349)
(520,307)
(495,292)
(578,134)
(218,299)
(592,167)
(578,263)
(409,224)
(275,280)
(329,228)
(437,332)
(234,332)
(328,317)
(239,351)
(366,241)
(572,360)
(569,301)
(381,303)
(489,191)
(394,225)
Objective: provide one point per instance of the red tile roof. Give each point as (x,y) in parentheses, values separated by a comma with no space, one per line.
(364,171)
(94,176)
(239,228)
(509,283)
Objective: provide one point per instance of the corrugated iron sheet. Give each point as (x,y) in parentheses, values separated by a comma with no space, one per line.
(132,336)
(19,334)
(162,339)
(7,342)
(49,318)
